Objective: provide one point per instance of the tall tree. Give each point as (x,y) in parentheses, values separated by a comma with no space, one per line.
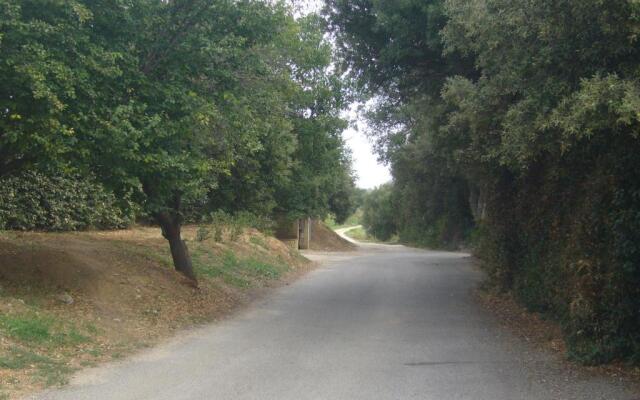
(171,102)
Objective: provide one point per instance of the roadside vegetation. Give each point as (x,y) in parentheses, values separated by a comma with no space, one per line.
(353,220)
(513,126)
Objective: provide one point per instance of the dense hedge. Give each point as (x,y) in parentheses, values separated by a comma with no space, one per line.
(36,201)
(566,242)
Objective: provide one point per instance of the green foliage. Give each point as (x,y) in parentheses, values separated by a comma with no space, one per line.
(233,225)
(520,118)
(183,107)
(353,220)
(379,213)
(237,271)
(359,234)
(202,234)
(35,201)
(36,330)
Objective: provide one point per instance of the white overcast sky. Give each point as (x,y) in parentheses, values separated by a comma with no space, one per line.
(369,172)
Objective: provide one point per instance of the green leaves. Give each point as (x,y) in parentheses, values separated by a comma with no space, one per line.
(60,202)
(179,105)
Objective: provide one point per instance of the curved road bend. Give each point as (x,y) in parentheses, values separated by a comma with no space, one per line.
(386,322)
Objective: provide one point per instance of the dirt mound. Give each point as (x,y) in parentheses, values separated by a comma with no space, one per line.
(325,239)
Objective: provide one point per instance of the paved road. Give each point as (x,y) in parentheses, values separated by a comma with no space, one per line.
(384,323)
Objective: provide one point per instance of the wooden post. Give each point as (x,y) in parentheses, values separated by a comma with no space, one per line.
(304,236)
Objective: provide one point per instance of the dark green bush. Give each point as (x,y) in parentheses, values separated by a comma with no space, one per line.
(37,201)
(565,239)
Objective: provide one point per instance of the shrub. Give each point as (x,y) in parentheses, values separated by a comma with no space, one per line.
(36,201)
(222,222)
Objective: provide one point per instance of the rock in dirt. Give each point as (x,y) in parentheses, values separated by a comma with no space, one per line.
(65,298)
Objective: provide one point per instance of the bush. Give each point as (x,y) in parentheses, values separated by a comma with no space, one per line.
(564,239)
(235,224)
(36,201)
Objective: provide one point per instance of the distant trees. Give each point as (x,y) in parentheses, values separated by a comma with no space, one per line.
(379,213)
(182,106)
(519,121)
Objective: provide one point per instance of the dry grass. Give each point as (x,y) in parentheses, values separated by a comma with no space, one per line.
(124,293)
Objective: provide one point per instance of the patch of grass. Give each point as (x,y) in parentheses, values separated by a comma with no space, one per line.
(236,281)
(359,234)
(18,358)
(233,270)
(225,266)
(49,371)
(54,373)
(30,329)
(258,241)
(37,330)
(229,260)
(72,337)
(91,328)
(263,269)
(95,352)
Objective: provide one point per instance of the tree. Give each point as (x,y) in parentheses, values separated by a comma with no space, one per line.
(321,166)
(192,119)
(179,105)
(379,212)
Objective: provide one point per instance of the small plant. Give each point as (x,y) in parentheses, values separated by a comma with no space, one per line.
(202,234)
(219,220)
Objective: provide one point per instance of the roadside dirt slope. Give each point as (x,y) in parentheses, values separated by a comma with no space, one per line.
(325,239)
(71,300)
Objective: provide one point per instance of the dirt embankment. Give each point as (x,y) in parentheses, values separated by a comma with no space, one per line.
(325,239)
(74,299)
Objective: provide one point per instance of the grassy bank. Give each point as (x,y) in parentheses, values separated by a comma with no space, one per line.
(72,300)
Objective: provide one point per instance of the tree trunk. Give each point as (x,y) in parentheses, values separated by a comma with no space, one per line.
(478,202)
(171,225)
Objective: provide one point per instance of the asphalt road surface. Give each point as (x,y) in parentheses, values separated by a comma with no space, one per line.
(386,322)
